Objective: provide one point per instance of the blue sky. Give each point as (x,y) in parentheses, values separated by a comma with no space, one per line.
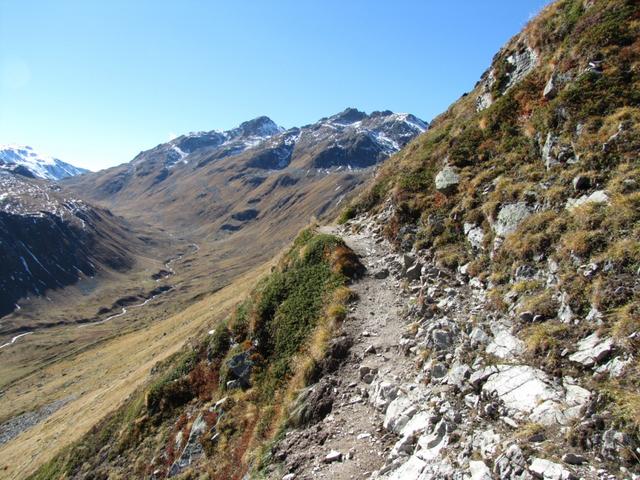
(95,82)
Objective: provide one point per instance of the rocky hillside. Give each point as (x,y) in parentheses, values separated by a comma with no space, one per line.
(217,183)
(49,239)
(25,161)
(524,198)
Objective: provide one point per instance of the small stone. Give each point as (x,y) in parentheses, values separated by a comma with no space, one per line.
(573,459)
(333,456)
(580,182)
(370,350)
(381,274)
(289,476)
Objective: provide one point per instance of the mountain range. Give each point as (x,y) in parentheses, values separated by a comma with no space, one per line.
(213,188)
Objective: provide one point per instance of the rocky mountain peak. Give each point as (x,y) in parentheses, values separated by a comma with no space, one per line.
(258,127)
(24,160)
(348,116)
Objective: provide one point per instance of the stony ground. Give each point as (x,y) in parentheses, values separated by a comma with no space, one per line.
(435,386)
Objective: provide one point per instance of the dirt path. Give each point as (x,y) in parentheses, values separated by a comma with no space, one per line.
(354,427)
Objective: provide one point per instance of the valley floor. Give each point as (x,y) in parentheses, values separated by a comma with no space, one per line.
(97,380)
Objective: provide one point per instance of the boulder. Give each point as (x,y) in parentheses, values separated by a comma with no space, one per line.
(485,98)
(337,351)
(413,272)
(581,182)
(398,414)
(532,392)
(478,337)
(192,450)
(522,61)
(475,235)
(431,444)
(382,394)
(592,350)
(240,367)
(447,179)
(615,367)
(381,274)
(613,442)
(458,375)
(441,339)
(409,470)
(511,464)
(551,88)
(487,443)
(573,459)
(333,456)
(555,153)
(313,404)
(509,217)
(505,345)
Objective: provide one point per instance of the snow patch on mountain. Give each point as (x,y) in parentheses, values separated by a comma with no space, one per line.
(38,164)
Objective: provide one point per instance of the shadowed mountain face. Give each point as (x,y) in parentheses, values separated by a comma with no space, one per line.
(217,183)
(49,240)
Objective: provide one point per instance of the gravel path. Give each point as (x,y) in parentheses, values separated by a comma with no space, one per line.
(354,427)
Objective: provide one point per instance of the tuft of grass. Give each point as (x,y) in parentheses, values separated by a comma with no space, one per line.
(542,303)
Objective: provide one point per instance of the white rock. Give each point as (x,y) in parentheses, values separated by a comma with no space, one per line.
(486,442)
(522,387)
(599,196)
(410,470)
(592,350)
(479,337)
(431,444)
(333,456)
(475,235)
(418,424)
(399,412)
(383,393)
(479,470)
(447,179)
(505,345)
(549,471)
(509,217)
(614,367)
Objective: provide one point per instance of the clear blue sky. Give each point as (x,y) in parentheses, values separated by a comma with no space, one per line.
(95,82)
